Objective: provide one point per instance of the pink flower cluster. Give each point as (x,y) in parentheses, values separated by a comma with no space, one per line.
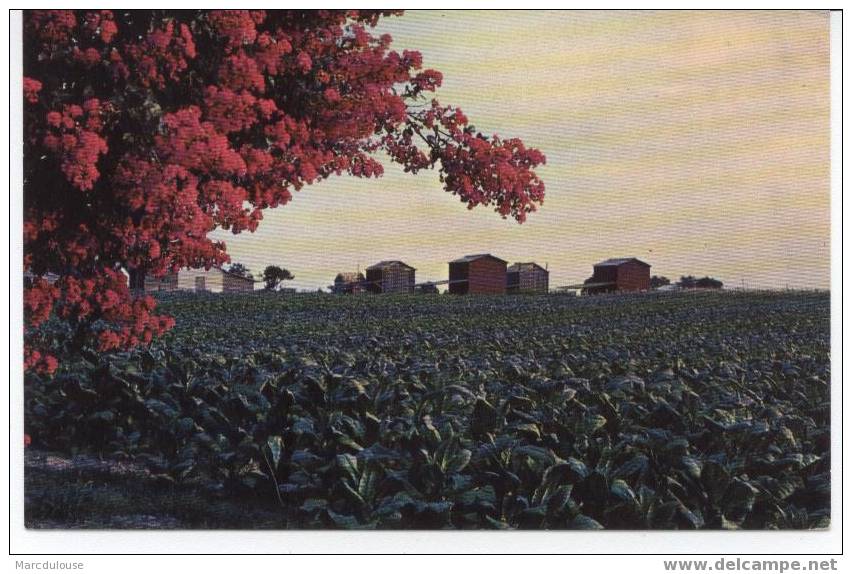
(36,361)
(240,72)
(54,28)
(481,170)
(124,321)
(31,89)
(73,135)
(102,24)
(237,26)
(197,145)
(163,55)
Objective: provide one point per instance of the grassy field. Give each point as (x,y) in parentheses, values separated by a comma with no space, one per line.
(679,410)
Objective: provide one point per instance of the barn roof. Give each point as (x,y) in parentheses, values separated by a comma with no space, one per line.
(615,262)
(469,258)
(50,276)
(520,267)
(388,263)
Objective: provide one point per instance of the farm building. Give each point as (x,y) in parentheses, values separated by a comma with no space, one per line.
(478,274)
(624,274)
(348,283)
(30,277)
(527,278)
(390,277)
(213,280)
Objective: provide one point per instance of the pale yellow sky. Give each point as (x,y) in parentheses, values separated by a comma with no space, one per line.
(696,141)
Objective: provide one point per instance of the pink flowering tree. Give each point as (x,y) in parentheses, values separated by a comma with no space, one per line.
(146,130)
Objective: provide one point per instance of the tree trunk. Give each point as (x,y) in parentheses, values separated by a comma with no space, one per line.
(137,280)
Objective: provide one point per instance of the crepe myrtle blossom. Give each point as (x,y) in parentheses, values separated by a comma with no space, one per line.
(146,130)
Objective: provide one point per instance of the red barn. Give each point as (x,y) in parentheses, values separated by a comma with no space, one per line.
(625,274)
(478,274)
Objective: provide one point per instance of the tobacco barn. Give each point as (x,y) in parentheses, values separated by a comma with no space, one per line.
(478,274)
(622,274)
(348,283)
(213,280)
(390,277)
(527,278)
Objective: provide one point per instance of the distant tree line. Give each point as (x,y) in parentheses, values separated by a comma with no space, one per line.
(687,282)
(658,281)
(690,282)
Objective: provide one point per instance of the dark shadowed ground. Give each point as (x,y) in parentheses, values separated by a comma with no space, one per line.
(85,492)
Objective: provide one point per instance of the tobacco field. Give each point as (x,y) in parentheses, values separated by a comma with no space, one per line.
(700,410)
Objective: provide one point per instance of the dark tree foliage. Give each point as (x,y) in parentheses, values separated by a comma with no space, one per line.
(708,283)
(658,281)
(691,282)
(274,275)
(241,270)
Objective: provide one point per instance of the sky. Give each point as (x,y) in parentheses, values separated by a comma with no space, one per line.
(695,141)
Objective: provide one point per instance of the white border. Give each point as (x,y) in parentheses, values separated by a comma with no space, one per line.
(67,542)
